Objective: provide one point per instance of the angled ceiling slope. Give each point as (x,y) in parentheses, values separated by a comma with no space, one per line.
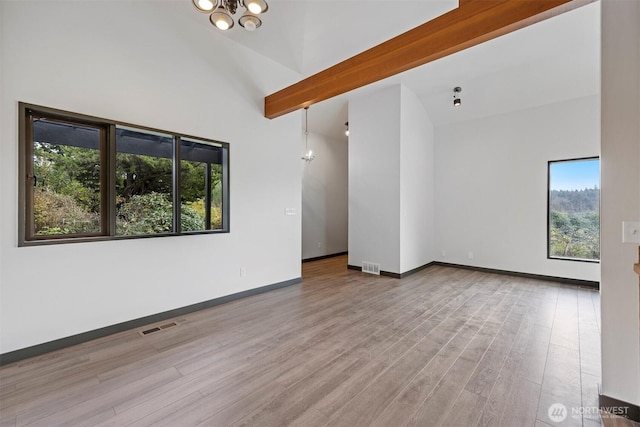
(472,23)
(310,35)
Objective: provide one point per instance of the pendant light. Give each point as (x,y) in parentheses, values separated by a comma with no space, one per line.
(308,155)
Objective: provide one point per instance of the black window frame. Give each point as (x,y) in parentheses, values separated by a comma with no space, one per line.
(107,127)
(548,239)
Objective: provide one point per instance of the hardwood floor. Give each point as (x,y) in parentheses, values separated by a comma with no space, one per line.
(443,347)
(609,420)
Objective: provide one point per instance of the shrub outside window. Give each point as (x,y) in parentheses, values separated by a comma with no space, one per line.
(85,178)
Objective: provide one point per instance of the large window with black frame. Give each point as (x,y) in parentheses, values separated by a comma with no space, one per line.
(85,178)
(574,209)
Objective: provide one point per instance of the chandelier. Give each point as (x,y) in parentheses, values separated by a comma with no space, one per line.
(221,12)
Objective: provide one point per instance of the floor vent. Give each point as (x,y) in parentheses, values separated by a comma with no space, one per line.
(371,268)
(158,328)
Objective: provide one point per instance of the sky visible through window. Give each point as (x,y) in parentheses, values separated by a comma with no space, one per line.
(575,175)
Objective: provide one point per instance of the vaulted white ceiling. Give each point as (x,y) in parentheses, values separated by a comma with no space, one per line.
(311,35)
(554,60)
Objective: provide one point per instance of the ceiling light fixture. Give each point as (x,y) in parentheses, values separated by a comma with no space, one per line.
(222,11)
(308,155)
(456,96)
(346,132)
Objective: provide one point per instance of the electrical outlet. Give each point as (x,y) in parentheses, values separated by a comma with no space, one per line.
(290,211)
(443,253)
(630,232)
(470,255)
(243,271)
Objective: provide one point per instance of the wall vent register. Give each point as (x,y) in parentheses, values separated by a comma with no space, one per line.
(158,328)
(371,268)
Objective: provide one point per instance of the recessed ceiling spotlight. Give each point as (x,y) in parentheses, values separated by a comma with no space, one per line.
(456,96)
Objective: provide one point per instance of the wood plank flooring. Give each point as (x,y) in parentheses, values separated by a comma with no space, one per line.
(445,347)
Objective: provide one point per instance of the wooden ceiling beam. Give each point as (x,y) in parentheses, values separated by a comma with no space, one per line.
(472,23)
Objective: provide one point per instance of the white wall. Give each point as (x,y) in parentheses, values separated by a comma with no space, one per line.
(391,178)
(620,169)
(374,179)
(491,186)
(325,198)
(163,67)
(2,125)
(417,234)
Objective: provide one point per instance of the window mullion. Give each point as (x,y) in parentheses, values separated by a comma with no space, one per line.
(110,169)
(177,182)
(207,196)
(225,189)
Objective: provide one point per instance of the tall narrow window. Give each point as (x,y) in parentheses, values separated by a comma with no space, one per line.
(66,178)
(574,209)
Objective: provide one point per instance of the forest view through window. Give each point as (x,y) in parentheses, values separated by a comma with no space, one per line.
(574,209)
(66,178)
(89,178)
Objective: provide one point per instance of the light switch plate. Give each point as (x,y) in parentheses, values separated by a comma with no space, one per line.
(630,232)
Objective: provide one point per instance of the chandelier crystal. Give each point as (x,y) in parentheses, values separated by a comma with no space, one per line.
(221,12)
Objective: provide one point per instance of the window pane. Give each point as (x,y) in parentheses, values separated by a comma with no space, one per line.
(201,185)
(144,183)
(574,209)
(66,182)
